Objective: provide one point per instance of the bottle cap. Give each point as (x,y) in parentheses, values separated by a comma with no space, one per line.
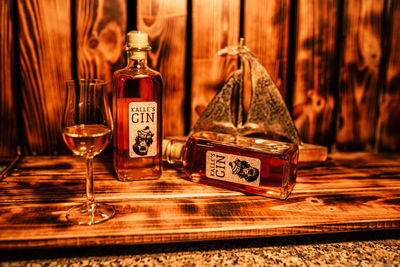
(137,39)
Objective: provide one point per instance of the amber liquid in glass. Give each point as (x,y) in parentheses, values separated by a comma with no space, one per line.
(87,140)
(136,83)
(278,162)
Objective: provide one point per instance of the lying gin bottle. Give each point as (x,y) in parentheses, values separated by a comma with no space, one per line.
(252,165)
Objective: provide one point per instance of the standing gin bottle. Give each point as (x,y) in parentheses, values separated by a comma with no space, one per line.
(137,109)
(252,165)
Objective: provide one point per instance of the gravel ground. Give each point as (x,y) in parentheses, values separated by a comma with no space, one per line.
(378,248)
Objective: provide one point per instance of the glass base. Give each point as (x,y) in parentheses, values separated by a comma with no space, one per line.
(88,214)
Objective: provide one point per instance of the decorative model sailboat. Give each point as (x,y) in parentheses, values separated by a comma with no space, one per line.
(267,112)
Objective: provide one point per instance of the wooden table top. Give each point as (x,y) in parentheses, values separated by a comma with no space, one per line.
(351,192)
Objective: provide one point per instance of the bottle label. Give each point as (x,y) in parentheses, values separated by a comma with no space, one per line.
(233,168)
(142,129)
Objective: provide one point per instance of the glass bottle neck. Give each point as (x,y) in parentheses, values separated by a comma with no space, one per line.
(173,149)
(137,59)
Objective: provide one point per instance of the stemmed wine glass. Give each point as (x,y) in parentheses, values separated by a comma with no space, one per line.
(86,129)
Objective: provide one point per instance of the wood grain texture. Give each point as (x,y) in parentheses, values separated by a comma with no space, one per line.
(357,102)
(165,22)
(388,137)
(215,24)
(45,64)
(8,123)
(266,33)
(100,37)
(368,116)
(351,192)
(315,68)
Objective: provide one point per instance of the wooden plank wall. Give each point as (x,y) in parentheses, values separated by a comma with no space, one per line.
(166,23)
(100,37)
(45,60)
(315,70)
(215,24)
(8,126)
(269,42)
(359,69)
(335,62)
(389,108)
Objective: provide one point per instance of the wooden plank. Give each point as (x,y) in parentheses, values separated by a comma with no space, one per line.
(165,22)
(388,137)
(315,70)
(351,192)
(266,33)
(366,171)
(8,130)
(143,221)
(45,64)
(100,37)
(357,102)
(69,172)
(215,24)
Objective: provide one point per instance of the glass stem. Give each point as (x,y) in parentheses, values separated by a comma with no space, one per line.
(89,182)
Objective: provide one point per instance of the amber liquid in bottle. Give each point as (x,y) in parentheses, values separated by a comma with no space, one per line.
(252,165)
(137,118)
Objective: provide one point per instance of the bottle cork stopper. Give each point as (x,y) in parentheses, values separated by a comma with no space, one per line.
(137,39)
